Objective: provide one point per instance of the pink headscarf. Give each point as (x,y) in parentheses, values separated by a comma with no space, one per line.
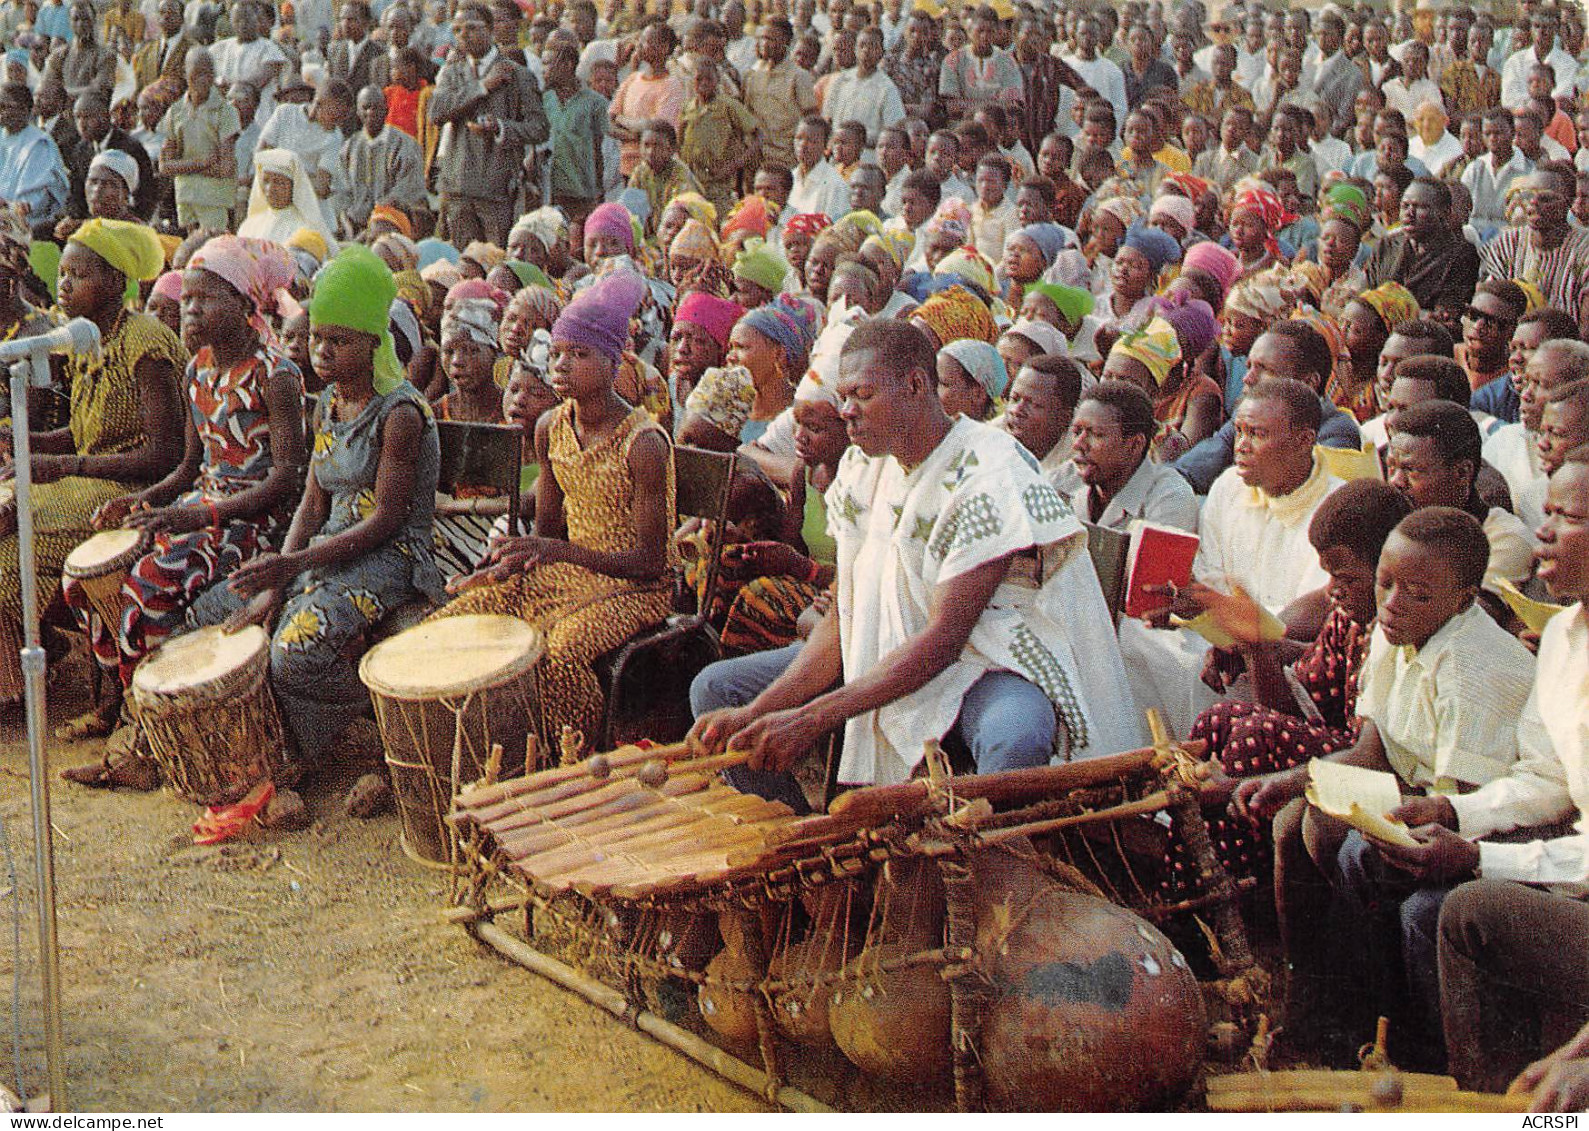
(477,288)
(254,268)
(1214,261)
(169,286)
(714,315)
(613,220)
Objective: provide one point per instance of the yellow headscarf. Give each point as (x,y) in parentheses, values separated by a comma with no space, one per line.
(1155,346)
(133,249)
(698,207)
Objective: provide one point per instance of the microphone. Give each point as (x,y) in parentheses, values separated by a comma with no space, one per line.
(77,336)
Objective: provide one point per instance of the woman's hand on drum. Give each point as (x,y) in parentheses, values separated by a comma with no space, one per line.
(268,571)
(261,609)
(169,520)
(113,513)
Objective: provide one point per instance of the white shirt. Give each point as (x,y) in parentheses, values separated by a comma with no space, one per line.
(1514,75)
(1259,542)
(873,101)
(1511,450)
(1512,547)
(1447,712)
(821,190)
(1408,96)
(1438,155)
(234,61)
(954,185)
(991,226)
(1156,493)
(1487,184)
(1107,79)
(1550,780)
(1332,155)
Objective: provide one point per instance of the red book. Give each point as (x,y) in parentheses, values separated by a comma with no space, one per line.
(1159,555)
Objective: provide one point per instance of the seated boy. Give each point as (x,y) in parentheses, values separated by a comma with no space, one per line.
(1439,697)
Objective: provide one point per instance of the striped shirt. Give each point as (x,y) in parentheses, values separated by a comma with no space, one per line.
(1561,274)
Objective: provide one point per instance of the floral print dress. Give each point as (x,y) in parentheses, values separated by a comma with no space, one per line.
(329,611)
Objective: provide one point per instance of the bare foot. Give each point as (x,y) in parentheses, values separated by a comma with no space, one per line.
(96,723)
(370,795)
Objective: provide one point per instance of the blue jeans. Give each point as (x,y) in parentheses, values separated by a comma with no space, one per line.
(1006,722)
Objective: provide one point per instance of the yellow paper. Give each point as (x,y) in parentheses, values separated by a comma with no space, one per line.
(1347,464)
(1532,613)
(1360,797)
(1206,626)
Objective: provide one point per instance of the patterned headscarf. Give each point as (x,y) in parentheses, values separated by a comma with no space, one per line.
(1393,303)
(1258,297)
(969,264)
(475,318)
(477,289)
(1193,187)
(1305,282)
(896,243)
(724,397)
(694,241)
(401,247)
(1340,378)
(697,206)
(951,218)
(542,300)
(1126,209)
(1350,204)
(255,269)
(1255,197)
(15,240)
(792,324)
(807,223)
(954,313)
(1155,346)
(546,224)
(749,215)
(1177,208)
(394,216)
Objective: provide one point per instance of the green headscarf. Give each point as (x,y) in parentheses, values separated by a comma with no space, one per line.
(529,275)
(356,290)
(1073,303)
(759,263)
(1350,204)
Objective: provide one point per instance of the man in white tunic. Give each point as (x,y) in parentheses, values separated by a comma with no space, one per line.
(966,602)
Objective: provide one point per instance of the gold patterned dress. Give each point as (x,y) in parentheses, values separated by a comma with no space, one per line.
(584,614)
(105,419)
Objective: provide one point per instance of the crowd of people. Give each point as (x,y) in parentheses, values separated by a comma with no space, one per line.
(961,286)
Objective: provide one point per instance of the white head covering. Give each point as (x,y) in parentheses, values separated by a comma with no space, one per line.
(545,224)
(119,163)
(265,222)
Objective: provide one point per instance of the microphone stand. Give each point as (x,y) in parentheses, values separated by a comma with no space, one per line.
(35,369)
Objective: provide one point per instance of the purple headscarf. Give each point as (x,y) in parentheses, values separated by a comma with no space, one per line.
(1193,320)
(598,317)
(612,220)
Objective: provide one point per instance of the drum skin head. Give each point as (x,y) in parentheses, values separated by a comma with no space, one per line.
(198,658)
(104,546)
(451,656)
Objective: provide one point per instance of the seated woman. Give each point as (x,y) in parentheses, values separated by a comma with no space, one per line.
(1370,316)
(360,542)
(469,357)
(1256,214)
(759,272)
(767,354)
(227,500)
(1306,710)
(971,379)
(793,572)
(1028,254)
(1127,304)
(125,413)
(283,200)
(1185,403)
(698,342)
(597,568)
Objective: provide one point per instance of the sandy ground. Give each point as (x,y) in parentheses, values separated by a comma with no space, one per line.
(304,971)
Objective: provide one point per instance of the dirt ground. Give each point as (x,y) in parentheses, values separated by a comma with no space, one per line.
(302,971)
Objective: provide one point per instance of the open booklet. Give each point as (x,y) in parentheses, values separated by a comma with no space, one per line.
(1534,614)
(1360,797)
